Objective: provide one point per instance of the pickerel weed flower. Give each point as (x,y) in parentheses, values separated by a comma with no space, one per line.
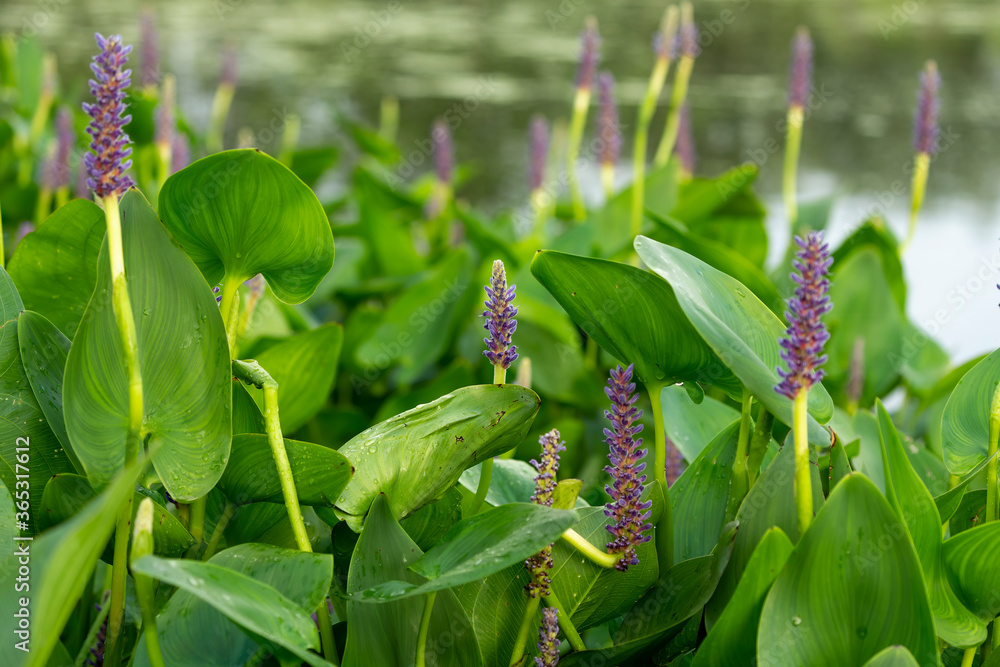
(96,657)
(545,484)
(150,48)
(685,43)
(56,172)
(107,164)
(500,322)
(590,55)
(626,508)
(800,74)
(684,149)
(925,124)
(802,345)
(444,151)
(230,58)
(674,463)
(538,152)
(548,638)
(609,130)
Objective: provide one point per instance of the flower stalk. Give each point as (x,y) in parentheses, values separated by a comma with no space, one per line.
(223,100)
(800,80)
(687,51)
(609,132)
(145,587)
(585,74)
(925,137)
(538,156)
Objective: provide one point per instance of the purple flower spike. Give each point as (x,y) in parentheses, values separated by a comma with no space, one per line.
(181,152)
(56,173)
(685,42)
(626,508)
(674,464)
(107,164)
(925,125)
(545,481)
(539,153)
(444,151)
(609,130)
(230,57)
(590,55)
(802,345)
(684,149)
(165,123)
(500,321)
(150,48)
(800,75)
(548,638)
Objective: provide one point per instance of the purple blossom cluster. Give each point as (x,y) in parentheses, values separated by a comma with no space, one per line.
(107,164)
(500,322)
(545,484)
(444,151)
(925,124)
(685,42)
(56,171)
(626,509)
(548,638)
(800,74)
(674,463)
(96,657)
(684,149)
(150,48)
(609,130)
(590,55)
(538,153)
(802,345)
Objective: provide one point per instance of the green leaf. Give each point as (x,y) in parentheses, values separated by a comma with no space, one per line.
(874,234)
(609,228)
(23,424)
(949,501)
(734,636)
(267,592)
(416,456)
(184,359)
(894,656)
(305,368)
(970,513)
(320,473)
(239,213)
(309,164)
(429,524)
(55,267)
(634,316)
(513,481)
(739,328)
(62,563)
(65,495)
(965,427)
(386,634)
(852,587)
(691,426)
(970,558)
(43,353)
(495,606)
(913,503)
(477,547)
(700,495)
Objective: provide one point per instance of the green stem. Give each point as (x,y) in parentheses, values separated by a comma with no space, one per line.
(793,143)
(119,574)
(486,472)
(740,482)
(220,110)
(220,527)
(664,527)
(677,97)
(230,308)
(803,475)
(196,525)
(646,112)
(581,103)
(922,165)
(425,624)
(524,631)
(145,592)
(969,657)
(758,443)
(43,205)
(993,486)
(595,555)
(566,623)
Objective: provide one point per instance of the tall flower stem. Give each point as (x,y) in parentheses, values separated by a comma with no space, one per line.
(527,621)
(793,143)
(593,554)
(665,526)
(220,111)
(230,308)
(578,121)
(425,624)
(145,587)
(572,636)
(220,528)
(687,45)
(196,521)
(803,474)
(758,444)
(992,494)
(252,372)
(740,481)
(799,82)
(925,140)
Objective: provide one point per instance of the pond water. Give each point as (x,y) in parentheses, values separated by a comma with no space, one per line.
(496,63)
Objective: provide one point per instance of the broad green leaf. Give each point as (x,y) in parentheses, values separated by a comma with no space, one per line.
(874,234)
(477,547)
(495,606)
(305,368)
(55,267)
(513,481)
(634,316)
(23,424)
(894,656)
(416,456)
(965,426)
(247,417)
(913,503)
(255,606)
(309,164)
(949,501)
(852,587)
(970,559)
(184,359)
(65,495)
(320,473)
(8,529)
(386,634)
(43,353)
(691,426)
(699,496)
(239,213)
(609,228)
(62,564)
(734,635)
(971,512)
(385,221)
(429,524)
(739,328)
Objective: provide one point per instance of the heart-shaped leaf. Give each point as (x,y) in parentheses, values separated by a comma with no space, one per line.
(949,501)
(55,267)
(495,605)
(183,355)
(970,558)
(965,425)
(852,587)
(239,213)
(320,473)
(741,330)
(416,456)
(894,656)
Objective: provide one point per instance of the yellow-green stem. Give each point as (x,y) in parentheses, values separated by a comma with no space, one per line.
(677,97)
(524,631)
(740,482)
(665,526)
(196,520)
(593,554)
(793,143)
(230,305)
(220,110)
(62,196)
(566,623)
(425,624)
(119,574)
(581,103)
(43,205)
(646,112)
(803,475)
(485,478)
(220,527)
(608,179)
(969,657)
(921,167)
(758,444)
(388,118)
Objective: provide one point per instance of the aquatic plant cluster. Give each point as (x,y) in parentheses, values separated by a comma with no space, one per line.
(223,448)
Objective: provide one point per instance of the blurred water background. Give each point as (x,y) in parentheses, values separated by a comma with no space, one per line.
(495,63)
